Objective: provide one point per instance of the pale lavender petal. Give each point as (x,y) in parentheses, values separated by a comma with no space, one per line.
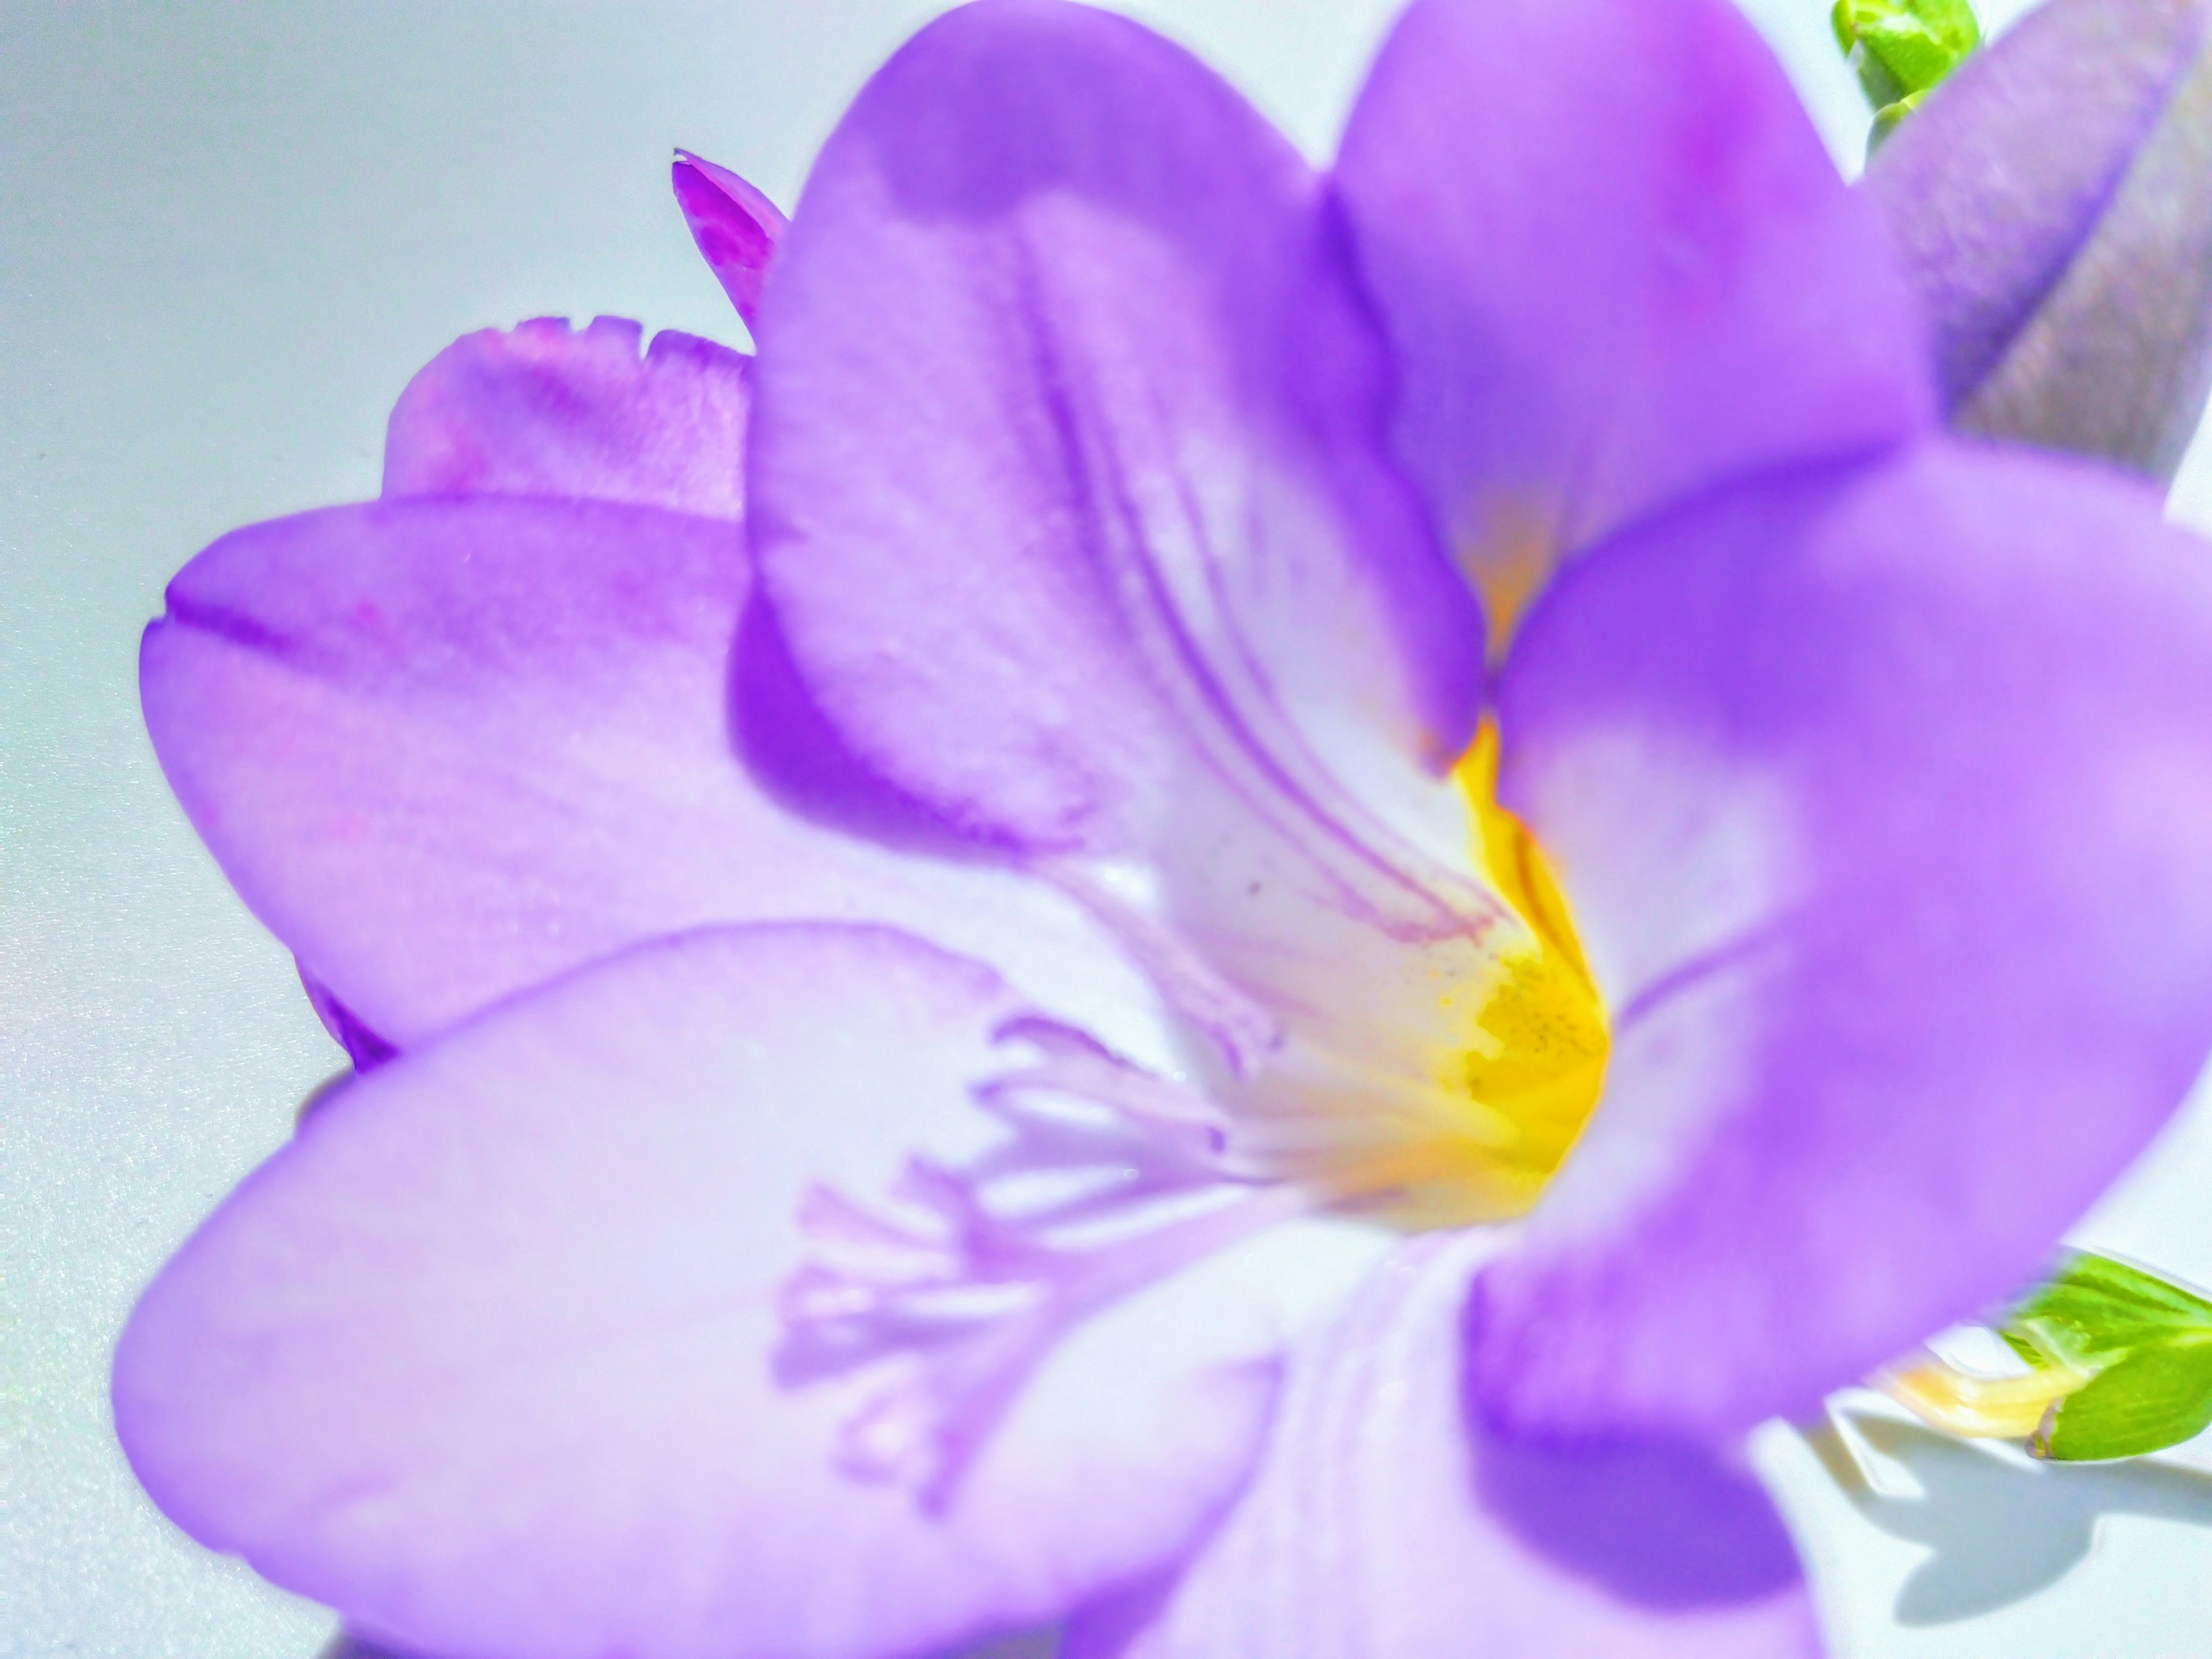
(1884,801)
(2054,202)
(445,748)
(735,224)
(1068,471)
(1386,1524)
(1617,266)
(486,1359)
(543,410)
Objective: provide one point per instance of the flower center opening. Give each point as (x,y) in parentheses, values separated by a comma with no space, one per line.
(1519,1062)
(1542,1039)
(934,1304)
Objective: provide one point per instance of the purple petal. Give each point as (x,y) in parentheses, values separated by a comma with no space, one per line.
(1382,1525)
(364,1048)
(542,410)
(1617,265)
(1884,802)
(2054,203)
(484,1359)
(448,749)
(1068,466)
(736,227)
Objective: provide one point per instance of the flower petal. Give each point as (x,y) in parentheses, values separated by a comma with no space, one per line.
(1617,265)
(542,410)
(1384,1523)
(367,1049)
(2054,204)
(736,227)
(1883,800)
(484,1357)
(1095,497)
(448,749)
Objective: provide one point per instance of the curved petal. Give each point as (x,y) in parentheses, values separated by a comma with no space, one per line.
(486,1358)
(1381,1525)
(736,227)
(1616,264)
(448,749)
(1883,799)
(1067,468)
(2054,203)
(366,1049)
(543,410)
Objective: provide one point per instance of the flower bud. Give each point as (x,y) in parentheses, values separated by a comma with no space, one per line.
(2053,205)
(1902,49)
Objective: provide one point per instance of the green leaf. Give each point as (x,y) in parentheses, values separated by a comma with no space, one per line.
(2158,1397)
(1903,48)
(2095,1311)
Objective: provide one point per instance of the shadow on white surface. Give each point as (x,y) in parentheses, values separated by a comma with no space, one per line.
(1999,1525)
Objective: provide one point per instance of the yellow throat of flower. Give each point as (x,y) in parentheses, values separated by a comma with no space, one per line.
(1541,1039)
(1524,1059)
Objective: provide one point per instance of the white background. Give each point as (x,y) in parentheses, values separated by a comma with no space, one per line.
(227,236)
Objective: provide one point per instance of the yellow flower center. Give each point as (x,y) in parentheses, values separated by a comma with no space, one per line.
(1522,1062)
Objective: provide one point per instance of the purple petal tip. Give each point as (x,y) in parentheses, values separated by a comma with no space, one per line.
(735,224)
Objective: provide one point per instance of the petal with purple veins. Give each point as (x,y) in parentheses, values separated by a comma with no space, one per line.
(1097,499)
(1617,266)
(1884,804)
(1088,538)
(545,410)
(486,1360)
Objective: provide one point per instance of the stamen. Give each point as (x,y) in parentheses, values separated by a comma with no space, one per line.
(1451,1108)
(1246,1033)
(1109,1180)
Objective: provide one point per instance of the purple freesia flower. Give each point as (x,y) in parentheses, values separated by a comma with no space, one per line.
(1816,841)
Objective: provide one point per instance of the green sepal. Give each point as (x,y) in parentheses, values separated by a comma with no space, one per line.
(1904,47)
(2094,1310)
(2145,1344)
(2156,1397)
(1885,119)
